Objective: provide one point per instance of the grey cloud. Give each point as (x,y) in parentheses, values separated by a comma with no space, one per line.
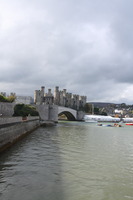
(83,46)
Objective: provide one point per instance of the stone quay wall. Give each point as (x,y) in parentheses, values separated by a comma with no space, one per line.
(14,129)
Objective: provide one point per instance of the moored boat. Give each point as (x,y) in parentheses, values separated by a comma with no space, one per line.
(110,125)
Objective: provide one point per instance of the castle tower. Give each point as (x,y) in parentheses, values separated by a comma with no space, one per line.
(42,90)
(56,95)
(82,101)
(39,96)
(48,97)
(36,96)
(64,97)
(49,92)
(42,94)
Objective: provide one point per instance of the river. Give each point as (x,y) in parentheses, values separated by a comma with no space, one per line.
(71,161)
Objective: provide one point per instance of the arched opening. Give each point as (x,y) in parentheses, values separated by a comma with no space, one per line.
(66,116)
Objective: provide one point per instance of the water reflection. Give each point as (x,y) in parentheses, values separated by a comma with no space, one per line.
(31,169)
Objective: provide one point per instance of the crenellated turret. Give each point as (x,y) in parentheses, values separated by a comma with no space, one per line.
(61,98)
(56,96)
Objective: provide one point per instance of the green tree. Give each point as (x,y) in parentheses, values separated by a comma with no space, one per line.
(123,105)
(96,110)
(88,108)
(25,110)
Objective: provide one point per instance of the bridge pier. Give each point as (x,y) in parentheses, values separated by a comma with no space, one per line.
(80,115)
(48,112)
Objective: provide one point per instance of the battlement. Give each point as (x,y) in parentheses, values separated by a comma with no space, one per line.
(60,98)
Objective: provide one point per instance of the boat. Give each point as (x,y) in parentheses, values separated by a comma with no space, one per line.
(100,118)
(110,125)
(91,120)
(106,125)
(129,124)
(117,125)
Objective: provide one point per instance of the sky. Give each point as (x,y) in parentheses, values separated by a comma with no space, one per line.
(84,46)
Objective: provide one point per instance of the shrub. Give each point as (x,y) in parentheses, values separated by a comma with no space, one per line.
(3,99)
(9,99)
(25,110)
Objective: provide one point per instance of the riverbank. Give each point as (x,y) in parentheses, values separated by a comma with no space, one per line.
(13,129)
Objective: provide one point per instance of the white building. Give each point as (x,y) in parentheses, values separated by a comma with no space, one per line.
(24,100)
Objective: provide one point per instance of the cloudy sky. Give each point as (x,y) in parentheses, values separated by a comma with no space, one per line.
(85,46)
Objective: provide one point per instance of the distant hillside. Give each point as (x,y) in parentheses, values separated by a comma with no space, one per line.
(101,104)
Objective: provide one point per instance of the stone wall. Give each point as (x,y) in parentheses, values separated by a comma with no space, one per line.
(10,133)
(6,109)
(9,120)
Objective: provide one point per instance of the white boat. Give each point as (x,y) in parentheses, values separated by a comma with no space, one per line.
(88,118)
(100,118)
(91,120)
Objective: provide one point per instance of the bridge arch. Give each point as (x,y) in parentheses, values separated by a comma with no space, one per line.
(69,115)
(68,112)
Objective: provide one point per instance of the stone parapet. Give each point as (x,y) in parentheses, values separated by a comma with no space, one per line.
(9,120)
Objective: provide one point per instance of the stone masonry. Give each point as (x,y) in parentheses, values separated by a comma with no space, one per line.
(60,98)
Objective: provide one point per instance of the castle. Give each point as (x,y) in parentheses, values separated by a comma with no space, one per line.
(60,98)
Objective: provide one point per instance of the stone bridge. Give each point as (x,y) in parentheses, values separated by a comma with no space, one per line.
(51,113)
(46,112)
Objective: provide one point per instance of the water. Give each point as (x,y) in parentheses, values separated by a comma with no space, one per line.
(71,161)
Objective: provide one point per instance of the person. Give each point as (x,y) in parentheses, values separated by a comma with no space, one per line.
(99,124)
(117,125)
